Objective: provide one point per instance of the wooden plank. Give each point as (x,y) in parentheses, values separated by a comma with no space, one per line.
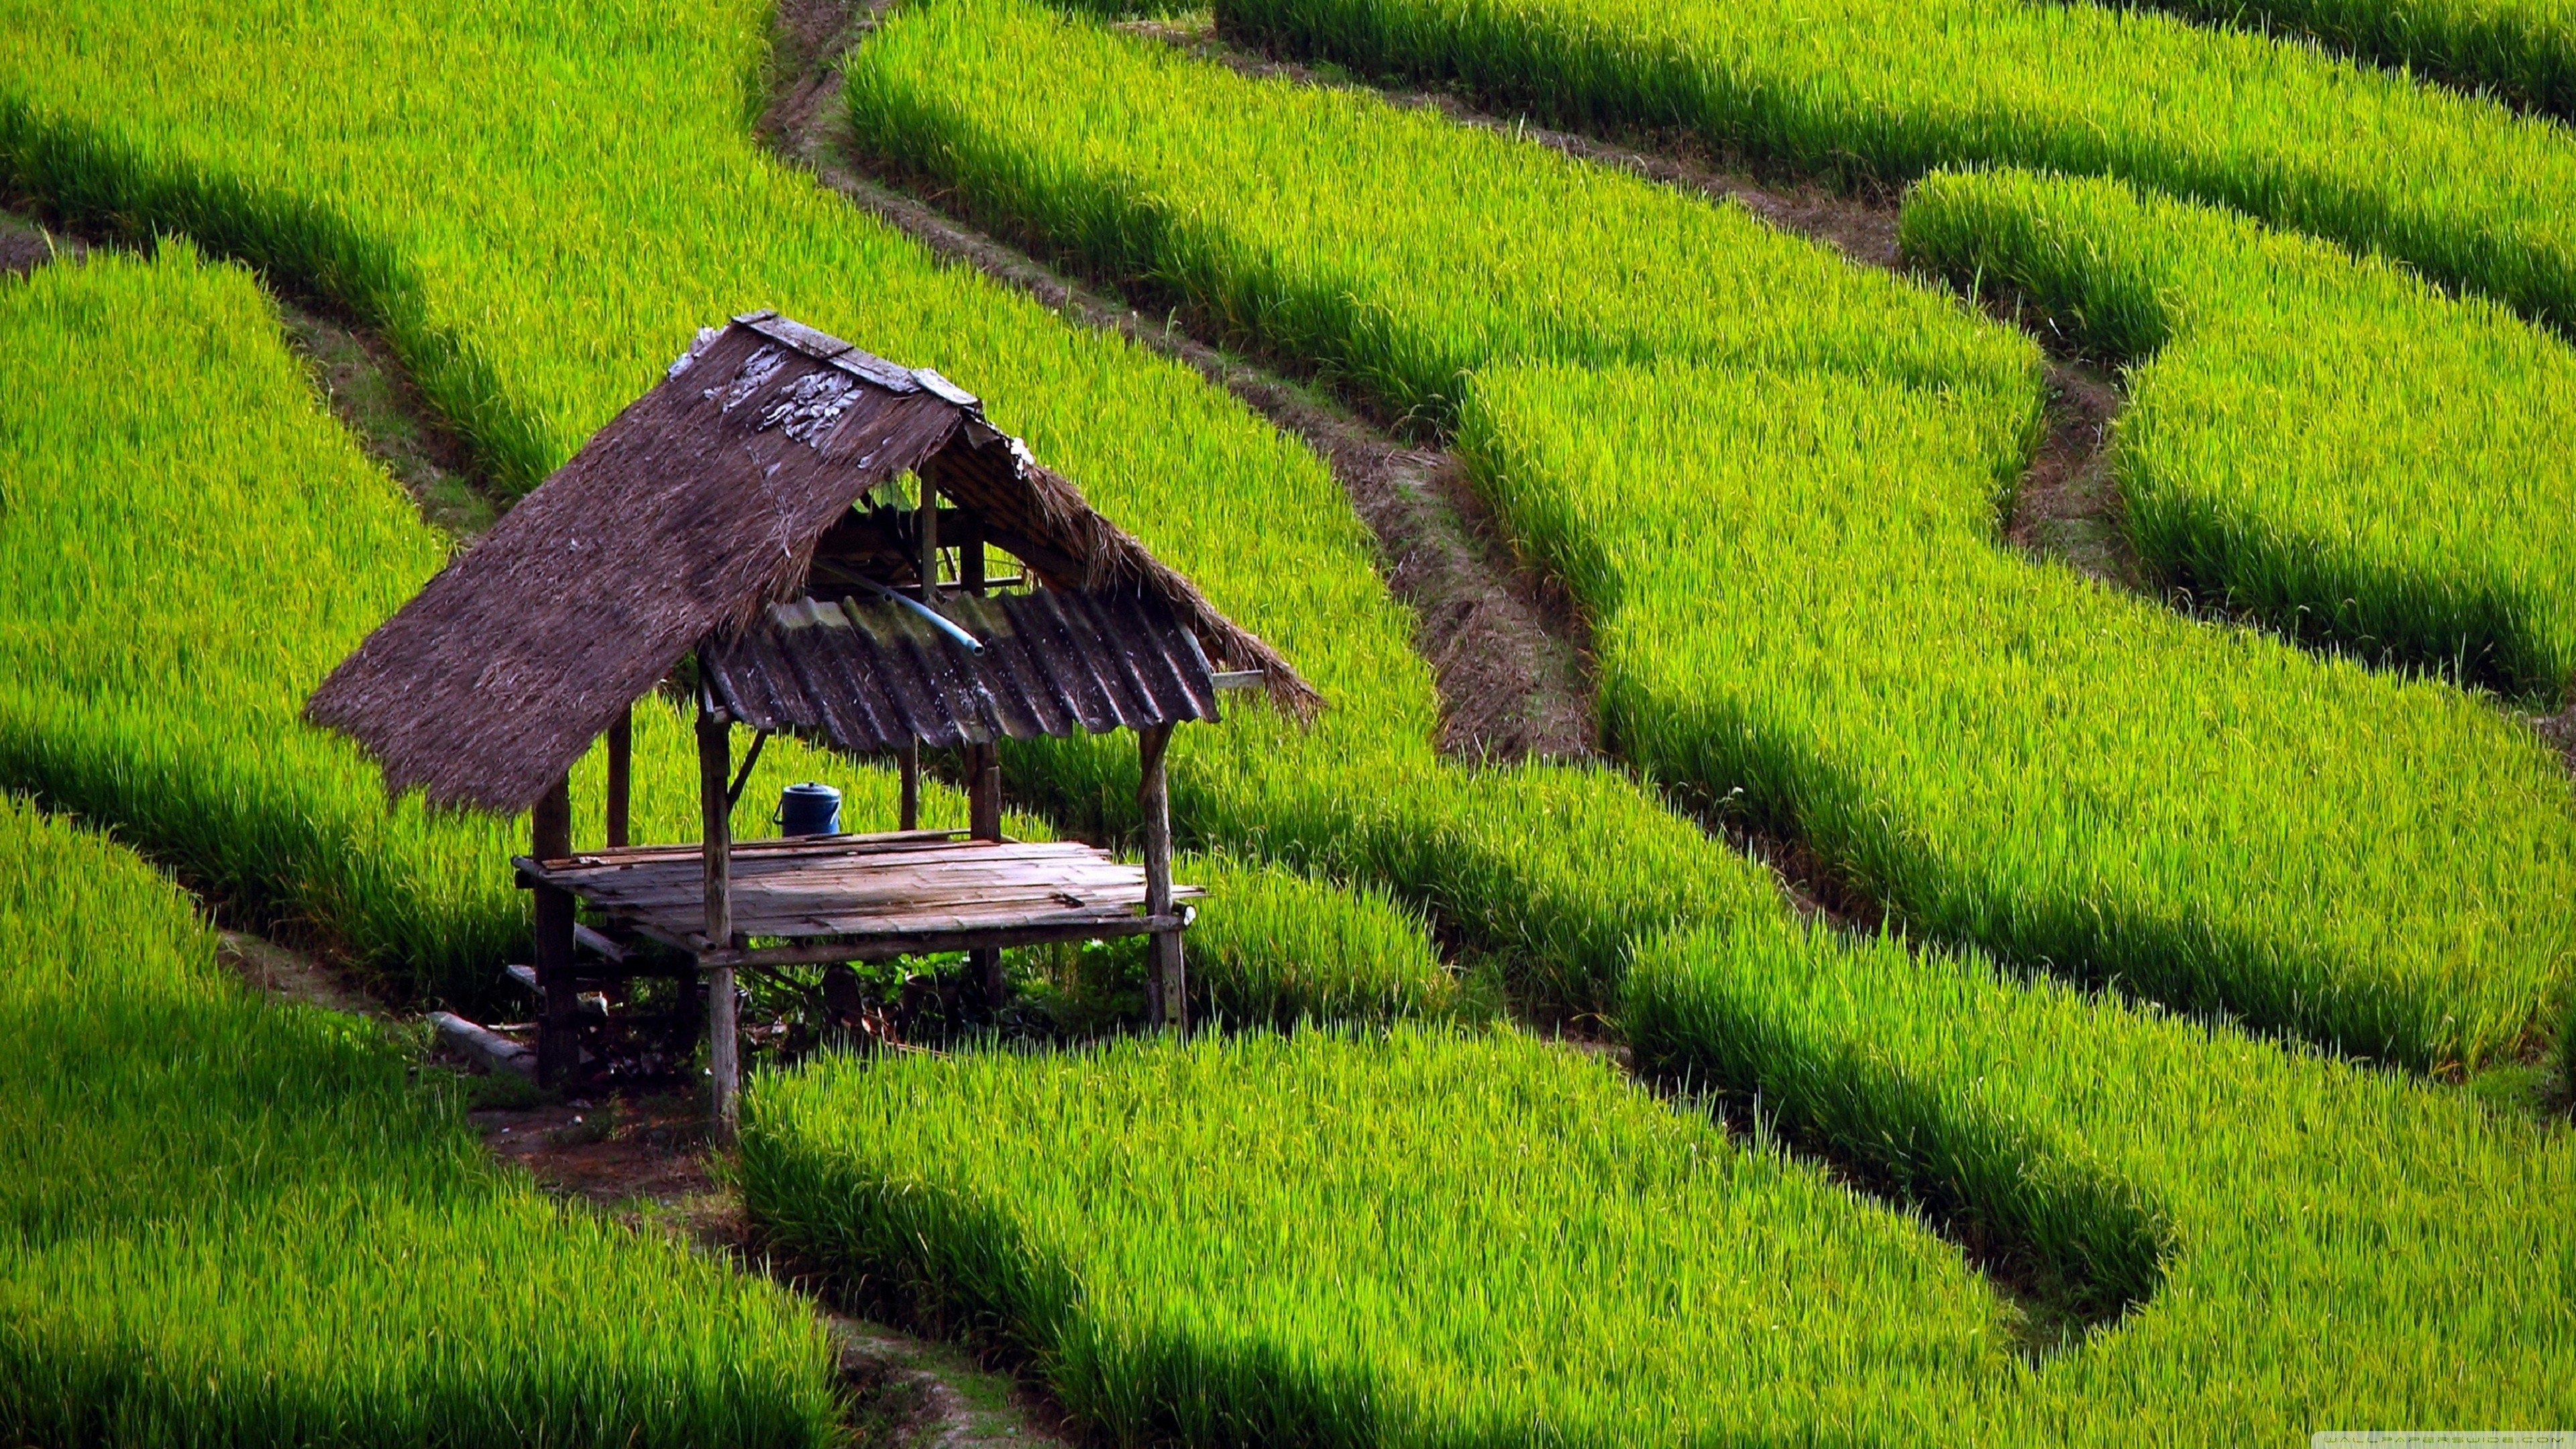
(496,1052)
(781,845)
(799,902)
(867,885)
(598,945)
(873,947)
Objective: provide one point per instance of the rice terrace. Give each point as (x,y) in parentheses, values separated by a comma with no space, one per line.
(1438,723)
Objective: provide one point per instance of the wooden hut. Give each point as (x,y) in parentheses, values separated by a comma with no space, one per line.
(813,525)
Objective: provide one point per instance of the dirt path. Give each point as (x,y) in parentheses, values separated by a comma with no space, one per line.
(373,395)
(25,246)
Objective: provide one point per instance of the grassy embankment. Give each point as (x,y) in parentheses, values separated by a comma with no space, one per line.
(2069,777)
(2329,444)
(2466,191)
(539,202)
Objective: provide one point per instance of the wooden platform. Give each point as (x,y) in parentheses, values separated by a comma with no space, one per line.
(867,897)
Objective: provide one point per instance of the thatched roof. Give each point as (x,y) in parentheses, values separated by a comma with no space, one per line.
(682,520)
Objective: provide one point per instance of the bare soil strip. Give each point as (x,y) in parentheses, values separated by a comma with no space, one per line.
(25,246)
(1511,655)
(374,397)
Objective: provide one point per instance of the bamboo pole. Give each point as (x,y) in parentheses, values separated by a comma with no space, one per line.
(715,823)
(1168,985)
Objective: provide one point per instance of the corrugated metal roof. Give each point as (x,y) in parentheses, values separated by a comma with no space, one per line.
(874,674)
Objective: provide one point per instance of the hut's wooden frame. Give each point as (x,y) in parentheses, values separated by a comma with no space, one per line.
(485,689)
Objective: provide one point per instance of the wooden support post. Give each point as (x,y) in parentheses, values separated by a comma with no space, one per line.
(1167,984)
(621,773)
(984,822)
(715,764)
(984,791)
(928,527)
(558,1033)
(912,784)
(970,551)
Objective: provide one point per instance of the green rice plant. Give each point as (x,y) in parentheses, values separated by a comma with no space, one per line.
(189,543)
(2340,1247)
(2328,444)
(171,613)
(474,179)
(470,151)
(2523,51)
(1146,165)
(1422,1238)
(2459,187)
(1273,948)
(227,1222)
(2072,778)
(1484,1240)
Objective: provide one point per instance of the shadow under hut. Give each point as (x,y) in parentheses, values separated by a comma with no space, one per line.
(832,545)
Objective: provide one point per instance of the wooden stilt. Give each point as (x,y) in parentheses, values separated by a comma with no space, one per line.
(911,785)
(715,762)
(970,552)
(1168,985)
(558,1035)
(984,791)
(984,822)
(926,523)
(621,762)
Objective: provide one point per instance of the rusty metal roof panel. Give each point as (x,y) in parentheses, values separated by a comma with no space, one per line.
(871,674)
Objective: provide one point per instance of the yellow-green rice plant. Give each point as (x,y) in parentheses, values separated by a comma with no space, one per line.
(539,200)
(2328,444)
(2459,186)
(1431,1239)
(1801,611)
(1783,529)
(2339,1247)
(1423,1238)
(226,1222)
(1276,949)
(2523,51)
(190,543)
(468,148)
